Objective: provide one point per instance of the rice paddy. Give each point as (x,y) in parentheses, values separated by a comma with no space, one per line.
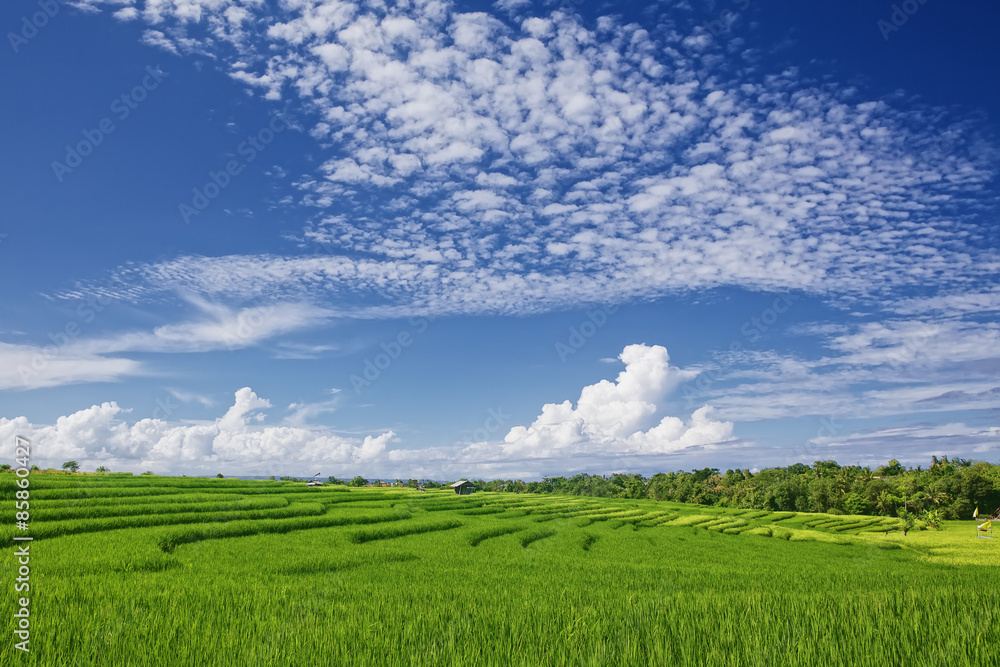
(182,571)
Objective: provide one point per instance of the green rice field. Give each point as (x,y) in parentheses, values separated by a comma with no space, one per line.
(188,571)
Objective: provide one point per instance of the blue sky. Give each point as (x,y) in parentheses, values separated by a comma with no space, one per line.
(443,239)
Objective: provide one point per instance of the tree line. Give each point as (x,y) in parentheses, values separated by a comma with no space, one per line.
(947,489)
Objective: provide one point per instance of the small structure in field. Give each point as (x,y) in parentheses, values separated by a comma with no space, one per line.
(315,482)
(463,487)
(986,528)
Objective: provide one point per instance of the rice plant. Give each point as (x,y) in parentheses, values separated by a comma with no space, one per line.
(389,577)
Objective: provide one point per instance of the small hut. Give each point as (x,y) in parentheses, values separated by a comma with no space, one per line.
(463,487)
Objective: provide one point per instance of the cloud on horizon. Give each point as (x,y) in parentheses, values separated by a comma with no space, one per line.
(612,421)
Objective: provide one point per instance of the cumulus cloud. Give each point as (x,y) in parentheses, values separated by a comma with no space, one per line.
(100,435)
(611,423)
(620,417)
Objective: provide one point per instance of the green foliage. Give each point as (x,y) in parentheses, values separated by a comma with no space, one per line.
(954,487)
(496,531)
(72,466)
(401,577)
(391,532)
(534,536)
(933,518)
(359,481)
(908,518)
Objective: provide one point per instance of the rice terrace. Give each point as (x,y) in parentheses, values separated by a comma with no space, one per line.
(148,570)
(622,334)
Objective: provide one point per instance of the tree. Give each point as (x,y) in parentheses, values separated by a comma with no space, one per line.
(359,481)
(885,502)
(934,496)
(891,470)
(5,467)
(219,476)
(72,466)
(909,519)
(855,503)
(102,469)
(932,518)
(148,472)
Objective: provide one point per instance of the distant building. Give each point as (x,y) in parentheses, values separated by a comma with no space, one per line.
(463,487)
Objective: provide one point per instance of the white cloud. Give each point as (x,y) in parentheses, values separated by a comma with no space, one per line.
(159,40)
(664,169)
(874,369)
(613,423)
(302,413)
(620,417)
(35,367)
(912,444)
(126,14)
(76,359)
(237,440)
(220,327)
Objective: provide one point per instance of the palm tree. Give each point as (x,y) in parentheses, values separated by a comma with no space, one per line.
(103,469)
(72,466)
(884,502)
(935,496)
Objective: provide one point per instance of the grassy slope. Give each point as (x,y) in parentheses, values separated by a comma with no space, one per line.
(553,580)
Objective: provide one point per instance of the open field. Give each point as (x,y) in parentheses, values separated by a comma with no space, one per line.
(184,571)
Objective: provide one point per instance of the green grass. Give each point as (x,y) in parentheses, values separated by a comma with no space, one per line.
(496,531)
(394,577)
(392,532)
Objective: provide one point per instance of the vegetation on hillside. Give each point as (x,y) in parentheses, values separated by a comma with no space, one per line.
(150,571)
(948,489)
